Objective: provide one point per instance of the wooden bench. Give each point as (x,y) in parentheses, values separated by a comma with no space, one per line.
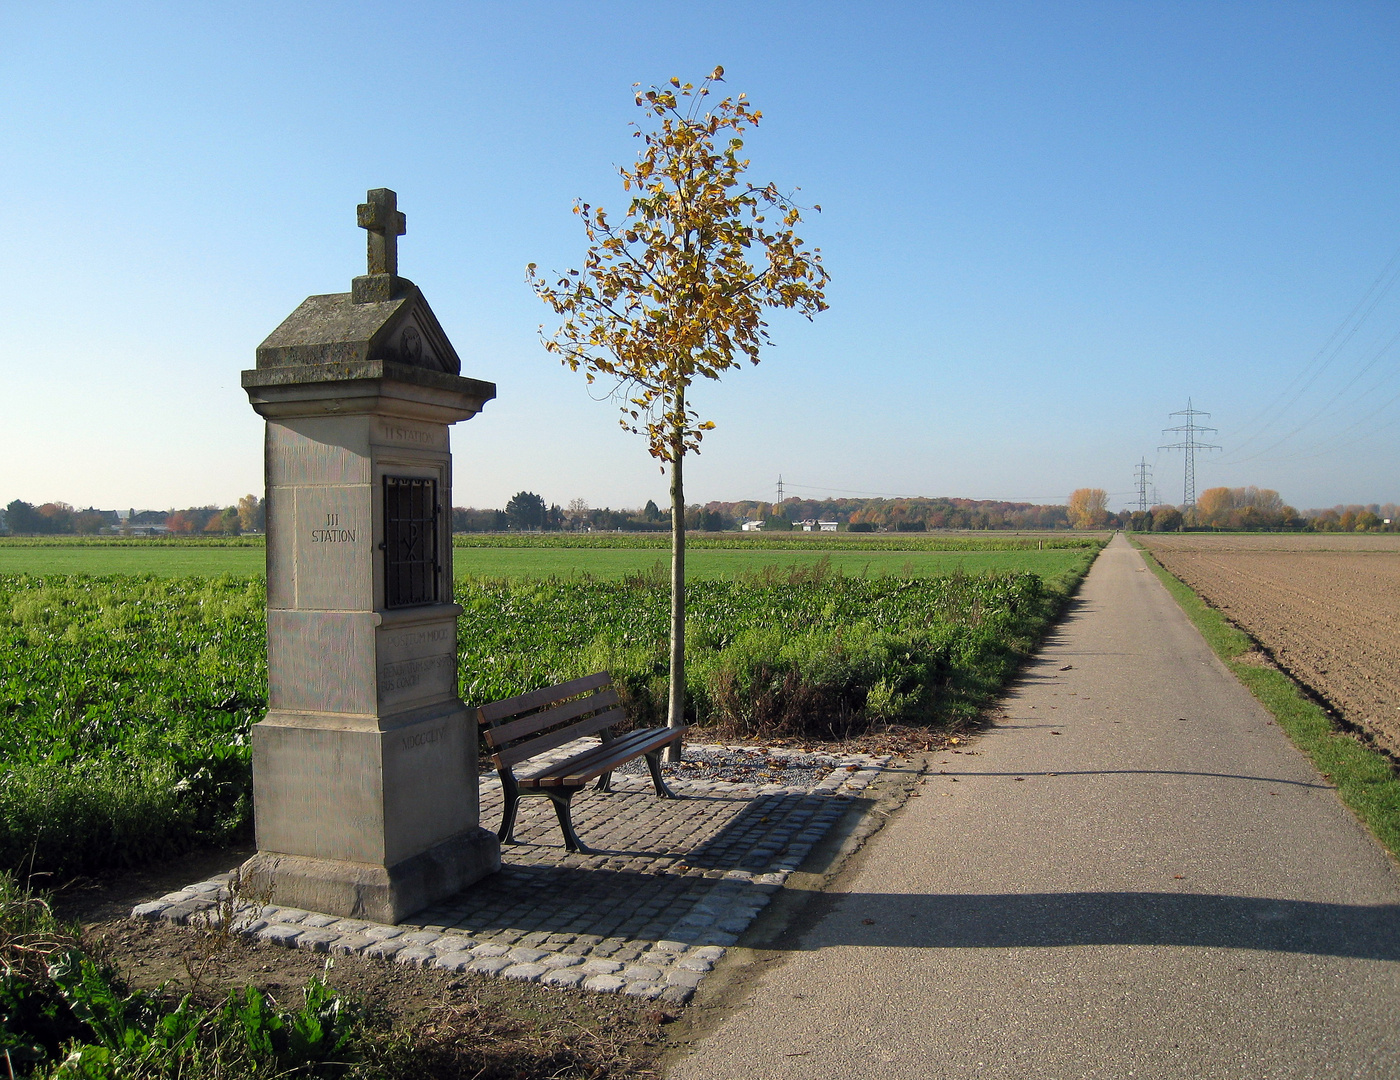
(520,728)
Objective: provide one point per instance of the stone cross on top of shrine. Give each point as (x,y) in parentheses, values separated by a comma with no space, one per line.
(385,224)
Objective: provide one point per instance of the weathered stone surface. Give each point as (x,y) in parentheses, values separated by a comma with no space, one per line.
(350,944)
(316,940)
(677,977)
(281,934)
(454,961)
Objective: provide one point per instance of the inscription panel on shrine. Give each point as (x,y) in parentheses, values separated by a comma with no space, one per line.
(417,663)
(334,548)
(409,434)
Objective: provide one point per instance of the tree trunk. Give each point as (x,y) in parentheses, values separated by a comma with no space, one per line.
(675,713)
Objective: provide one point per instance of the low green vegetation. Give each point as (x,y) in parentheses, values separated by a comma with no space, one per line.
(126,702)
(801,651)
(1366,780)
(599,562)
(125,705)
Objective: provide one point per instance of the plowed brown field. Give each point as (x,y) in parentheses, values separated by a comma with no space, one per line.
(1327,607)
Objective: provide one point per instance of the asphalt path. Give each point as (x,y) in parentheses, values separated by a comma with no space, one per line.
(1134,873)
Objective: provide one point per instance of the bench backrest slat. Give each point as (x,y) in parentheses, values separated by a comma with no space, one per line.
(498,710)
(522,751)
(502,734)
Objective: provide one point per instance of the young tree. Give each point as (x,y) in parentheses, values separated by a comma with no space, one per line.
(677,288)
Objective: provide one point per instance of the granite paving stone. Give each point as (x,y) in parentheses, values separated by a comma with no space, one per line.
(671,885)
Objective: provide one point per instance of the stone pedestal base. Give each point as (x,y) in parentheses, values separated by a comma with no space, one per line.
(374,893)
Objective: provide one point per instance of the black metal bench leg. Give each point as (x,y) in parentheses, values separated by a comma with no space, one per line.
(566,824)
(510,792)
(604,782)
(654,764)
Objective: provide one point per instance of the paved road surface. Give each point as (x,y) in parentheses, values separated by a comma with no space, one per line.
(1135,875)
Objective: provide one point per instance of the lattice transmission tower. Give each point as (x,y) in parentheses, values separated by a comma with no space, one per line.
(1190,444)
(1143,473)
(780,489)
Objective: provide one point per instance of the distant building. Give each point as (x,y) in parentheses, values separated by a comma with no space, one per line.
(815,526)
(752,525)
(146,523)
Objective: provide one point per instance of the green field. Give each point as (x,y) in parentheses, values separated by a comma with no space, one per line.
(126,701)
(183,561)
(508,558)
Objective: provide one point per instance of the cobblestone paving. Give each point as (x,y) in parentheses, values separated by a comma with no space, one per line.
(670,885)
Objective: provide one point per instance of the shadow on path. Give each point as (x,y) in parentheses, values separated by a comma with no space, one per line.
(1041,920)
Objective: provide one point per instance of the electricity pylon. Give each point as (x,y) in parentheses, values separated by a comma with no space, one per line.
(1143,472)
(1190,444)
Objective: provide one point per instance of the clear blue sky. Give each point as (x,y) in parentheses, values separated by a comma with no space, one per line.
(1047,226)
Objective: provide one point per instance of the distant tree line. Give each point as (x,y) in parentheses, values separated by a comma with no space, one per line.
(60,519)
(1252,509)
(1244,508)
(528,511)
(1218,509)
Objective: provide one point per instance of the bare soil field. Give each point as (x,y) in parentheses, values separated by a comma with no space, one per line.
(1326,606)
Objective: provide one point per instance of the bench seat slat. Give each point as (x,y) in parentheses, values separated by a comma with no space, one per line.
(625,746)
(523,751)
(592,763)
(498,710)
(502,734)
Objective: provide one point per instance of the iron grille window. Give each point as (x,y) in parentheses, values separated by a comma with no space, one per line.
(410,541)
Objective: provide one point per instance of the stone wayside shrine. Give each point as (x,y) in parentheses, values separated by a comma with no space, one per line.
(364,769)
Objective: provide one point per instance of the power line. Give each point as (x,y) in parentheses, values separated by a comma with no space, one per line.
(1379,354)
(1321,360)
(1190,444)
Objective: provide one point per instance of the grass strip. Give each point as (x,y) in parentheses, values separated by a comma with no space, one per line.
(1366,779)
